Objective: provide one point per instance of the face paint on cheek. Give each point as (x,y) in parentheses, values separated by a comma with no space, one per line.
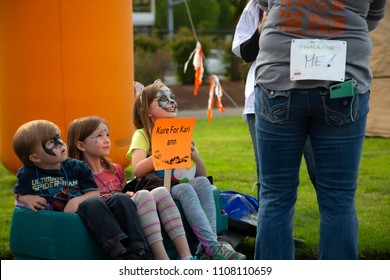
(95,137)
(52,144)
(166,101)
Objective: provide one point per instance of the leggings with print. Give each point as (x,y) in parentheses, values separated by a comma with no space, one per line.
(154,206)
(197,200)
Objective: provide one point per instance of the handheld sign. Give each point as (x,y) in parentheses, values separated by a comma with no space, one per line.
(171,145)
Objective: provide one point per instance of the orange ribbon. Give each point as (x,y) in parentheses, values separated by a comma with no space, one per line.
(197,62)
(215,89)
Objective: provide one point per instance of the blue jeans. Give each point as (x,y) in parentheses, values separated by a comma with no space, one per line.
(284,120)
(250,120)
(307,152)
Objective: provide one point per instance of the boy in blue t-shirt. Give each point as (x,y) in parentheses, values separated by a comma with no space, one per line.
(49,179)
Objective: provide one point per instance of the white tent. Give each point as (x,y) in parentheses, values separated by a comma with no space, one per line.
(378,123)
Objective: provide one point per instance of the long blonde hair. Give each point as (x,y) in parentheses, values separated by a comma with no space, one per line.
(143,98)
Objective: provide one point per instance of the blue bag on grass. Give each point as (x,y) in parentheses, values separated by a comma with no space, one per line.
(242,212)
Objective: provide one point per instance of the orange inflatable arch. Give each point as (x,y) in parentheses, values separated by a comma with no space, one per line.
(65,59)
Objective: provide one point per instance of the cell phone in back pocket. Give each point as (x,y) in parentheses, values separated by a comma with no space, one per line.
(345,89)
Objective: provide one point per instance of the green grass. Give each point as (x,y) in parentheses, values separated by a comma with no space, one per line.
(225,147)
(7,180)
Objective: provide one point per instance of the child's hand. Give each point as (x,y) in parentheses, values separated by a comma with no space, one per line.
(194,153)
(72,205)
(200,168)
(130,193)
(34,202)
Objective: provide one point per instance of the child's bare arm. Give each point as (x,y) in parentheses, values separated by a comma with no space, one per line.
(74,203)
(141,163)
(200,167)
(33,201)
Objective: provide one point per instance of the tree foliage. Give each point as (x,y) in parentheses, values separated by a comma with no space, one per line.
(210,17)
(206,14)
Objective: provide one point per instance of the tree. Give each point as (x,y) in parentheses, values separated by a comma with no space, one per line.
(204,14)
(226,20)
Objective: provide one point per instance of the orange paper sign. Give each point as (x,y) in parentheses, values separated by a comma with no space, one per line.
(171,143)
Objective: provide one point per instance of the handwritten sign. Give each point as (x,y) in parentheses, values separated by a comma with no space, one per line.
(171,143)
(318,60)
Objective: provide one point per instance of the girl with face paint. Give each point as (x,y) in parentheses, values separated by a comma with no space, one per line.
(196,197)
(89,140)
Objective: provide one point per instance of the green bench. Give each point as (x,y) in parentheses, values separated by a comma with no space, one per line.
(51,235)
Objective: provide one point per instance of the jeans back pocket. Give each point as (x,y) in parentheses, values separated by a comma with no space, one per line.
(340,111)
(275,104)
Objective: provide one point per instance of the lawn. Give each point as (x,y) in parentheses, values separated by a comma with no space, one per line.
(226,149)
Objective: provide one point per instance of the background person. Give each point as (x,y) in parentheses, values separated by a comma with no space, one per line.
(246,45)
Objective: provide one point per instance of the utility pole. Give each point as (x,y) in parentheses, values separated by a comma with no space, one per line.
(171,4)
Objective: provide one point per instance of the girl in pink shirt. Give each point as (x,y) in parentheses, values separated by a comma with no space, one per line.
(89,140)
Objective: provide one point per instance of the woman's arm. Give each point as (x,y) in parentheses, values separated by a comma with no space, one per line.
(375,14)
(250,48)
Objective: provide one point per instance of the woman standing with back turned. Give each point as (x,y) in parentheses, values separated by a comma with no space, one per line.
(298,96)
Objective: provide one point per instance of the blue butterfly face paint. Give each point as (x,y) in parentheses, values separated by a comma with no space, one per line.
(100,134)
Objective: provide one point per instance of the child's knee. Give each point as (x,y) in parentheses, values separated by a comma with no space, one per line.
(142,195)
(121,200)
(182,189)
(93,200)
(159,192)
(200,181)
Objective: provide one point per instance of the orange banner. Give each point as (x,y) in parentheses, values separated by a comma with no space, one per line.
(171,143)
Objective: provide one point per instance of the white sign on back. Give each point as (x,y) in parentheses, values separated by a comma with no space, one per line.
(318,60)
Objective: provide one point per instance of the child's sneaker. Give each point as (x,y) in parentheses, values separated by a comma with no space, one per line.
(189,258)
(224,251)
(133,255)
(202,255)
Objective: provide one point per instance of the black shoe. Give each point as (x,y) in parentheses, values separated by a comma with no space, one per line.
(133,255)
